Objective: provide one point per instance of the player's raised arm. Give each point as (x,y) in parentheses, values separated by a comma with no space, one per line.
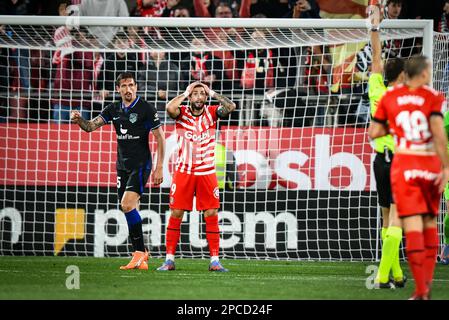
(158,176)
(86,125)
(377,65)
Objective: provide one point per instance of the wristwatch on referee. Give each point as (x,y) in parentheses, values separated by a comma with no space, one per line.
(375,29)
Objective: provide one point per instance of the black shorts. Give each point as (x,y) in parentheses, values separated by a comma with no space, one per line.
(382,168)
(132,180)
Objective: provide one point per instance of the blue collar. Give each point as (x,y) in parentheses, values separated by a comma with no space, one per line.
(131,105)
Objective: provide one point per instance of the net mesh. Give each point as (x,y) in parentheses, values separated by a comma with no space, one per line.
(298,178)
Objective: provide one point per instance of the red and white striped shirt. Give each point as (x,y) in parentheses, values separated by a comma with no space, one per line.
(196,141)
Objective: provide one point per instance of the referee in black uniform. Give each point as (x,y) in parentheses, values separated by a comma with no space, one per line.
(133,118)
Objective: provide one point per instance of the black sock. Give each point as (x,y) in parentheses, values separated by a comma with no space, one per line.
(136,235)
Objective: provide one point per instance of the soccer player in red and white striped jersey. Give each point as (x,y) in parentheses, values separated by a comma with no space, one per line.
(196,125)
(420,168)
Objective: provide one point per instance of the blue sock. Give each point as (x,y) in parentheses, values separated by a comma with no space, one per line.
(135,229)
(133,217)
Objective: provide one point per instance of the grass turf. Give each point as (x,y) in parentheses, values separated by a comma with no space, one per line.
(100,278)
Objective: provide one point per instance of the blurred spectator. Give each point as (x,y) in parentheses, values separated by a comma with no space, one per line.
(318,75)
(203,66)
(114,64)
(257,65)
(443,24)
(267,8)
(62,36)
(104,8)
(74,78)
(303,9)
(392,9)
(19,60)
(223,10)
(170,8)
(221,36)
(53,7)
(14,7)
(149,8)
(181,12)
(159,80)
(205,8)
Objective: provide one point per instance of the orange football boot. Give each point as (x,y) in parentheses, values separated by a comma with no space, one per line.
(137,262)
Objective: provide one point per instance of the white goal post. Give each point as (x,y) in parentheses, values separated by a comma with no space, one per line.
(297,158)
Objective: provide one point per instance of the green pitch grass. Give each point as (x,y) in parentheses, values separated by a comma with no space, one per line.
(100,278)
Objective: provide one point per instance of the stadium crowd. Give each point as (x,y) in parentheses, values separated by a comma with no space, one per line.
(43,85)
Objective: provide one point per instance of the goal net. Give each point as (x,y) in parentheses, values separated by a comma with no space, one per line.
(294,160)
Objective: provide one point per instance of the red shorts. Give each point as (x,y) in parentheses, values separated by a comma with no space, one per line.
(413,183)
(185,186)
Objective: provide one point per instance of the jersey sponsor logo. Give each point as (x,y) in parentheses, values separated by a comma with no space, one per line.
(410,99)
(196,137)
(123,131)
(217,193)
(419,174)
(127,137)
(133,117)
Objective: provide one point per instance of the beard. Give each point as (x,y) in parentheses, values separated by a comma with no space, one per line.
(197,106)
(128,97)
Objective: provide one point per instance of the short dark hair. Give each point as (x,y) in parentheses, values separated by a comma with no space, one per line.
(415,65)
(393,69)
(401,2)
(124,75)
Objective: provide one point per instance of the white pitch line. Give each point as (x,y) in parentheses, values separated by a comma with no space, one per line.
(298,277)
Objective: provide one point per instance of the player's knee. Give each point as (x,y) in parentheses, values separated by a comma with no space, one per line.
(127,205)
(177,214)
(211,212)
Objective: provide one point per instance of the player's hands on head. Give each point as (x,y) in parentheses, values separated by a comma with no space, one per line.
(208,90)
(442,179)
(190,87)
(75,116)
(158,176)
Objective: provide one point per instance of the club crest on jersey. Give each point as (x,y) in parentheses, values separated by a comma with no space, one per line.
(217,193)
(133,117)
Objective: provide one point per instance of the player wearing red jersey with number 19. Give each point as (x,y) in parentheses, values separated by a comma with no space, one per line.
(413,114)
(195,174)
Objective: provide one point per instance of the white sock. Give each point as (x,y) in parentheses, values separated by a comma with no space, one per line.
(214,258)
(170,257)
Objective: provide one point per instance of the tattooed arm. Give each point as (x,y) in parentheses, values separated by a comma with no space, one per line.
(227,106)
(86,125)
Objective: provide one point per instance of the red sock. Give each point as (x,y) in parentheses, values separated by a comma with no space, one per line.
(416,257)
(213,235)
(173,233)
(431,244)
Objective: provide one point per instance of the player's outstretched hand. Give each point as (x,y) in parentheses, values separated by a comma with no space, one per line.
(158,176)
(442,179)
(75,116)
